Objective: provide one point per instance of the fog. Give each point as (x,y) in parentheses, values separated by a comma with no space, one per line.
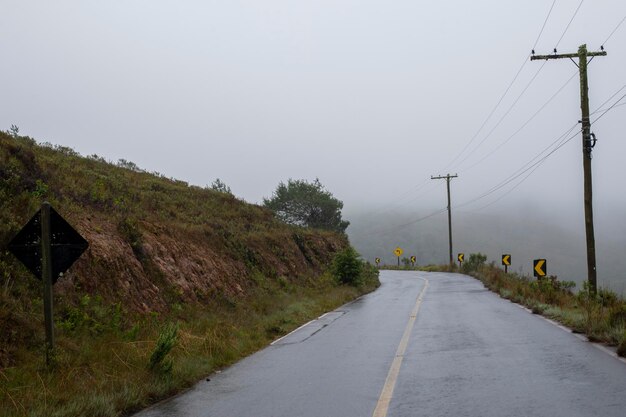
(371,97)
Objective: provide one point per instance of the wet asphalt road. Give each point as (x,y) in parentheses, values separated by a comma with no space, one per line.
(470,353)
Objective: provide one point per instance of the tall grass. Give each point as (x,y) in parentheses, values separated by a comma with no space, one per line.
(111,371)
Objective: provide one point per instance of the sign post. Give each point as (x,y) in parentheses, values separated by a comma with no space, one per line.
(398,252)
(506,261)
(48,246)
(46,276)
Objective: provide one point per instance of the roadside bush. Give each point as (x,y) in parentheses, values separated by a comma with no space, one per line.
(347,267)
(475,262)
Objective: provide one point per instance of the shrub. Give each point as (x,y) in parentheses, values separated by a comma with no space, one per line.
(475,262)
(166,342)
(347,267)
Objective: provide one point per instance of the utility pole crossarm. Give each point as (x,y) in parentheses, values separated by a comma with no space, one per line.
(560,56)
(445,177)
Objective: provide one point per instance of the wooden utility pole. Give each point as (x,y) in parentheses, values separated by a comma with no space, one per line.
(588,144)
(448,178)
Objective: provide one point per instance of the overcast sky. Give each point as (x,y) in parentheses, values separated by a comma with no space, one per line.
(372,97)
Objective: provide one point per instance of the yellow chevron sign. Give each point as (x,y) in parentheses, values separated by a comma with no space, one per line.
(413,260)
(506,260)
(377,260)
(461,257)
(398,252)
(540,267)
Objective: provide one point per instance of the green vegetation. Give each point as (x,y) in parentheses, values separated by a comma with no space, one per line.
(220,186)
(474,262)
(178,281)
(302,203)
(164,345)
(601,316)
(106,367)
(349,269)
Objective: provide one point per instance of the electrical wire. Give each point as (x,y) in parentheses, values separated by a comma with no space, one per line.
(492,112)
(569,24)
(482,126)
(609,109)
(513,188)
(544,25)
(386,231)
(557,144)
(522,126)
(511,107)
(506,91)
(534,166)
(614,30)
(529,168)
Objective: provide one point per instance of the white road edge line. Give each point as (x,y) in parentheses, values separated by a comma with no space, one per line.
(301,327)
(292,332)
(577,335)
(386,394)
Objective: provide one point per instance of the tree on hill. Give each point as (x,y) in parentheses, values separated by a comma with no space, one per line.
(220,186)
(307,204)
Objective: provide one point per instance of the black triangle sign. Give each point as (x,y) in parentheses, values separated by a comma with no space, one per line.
(67,245)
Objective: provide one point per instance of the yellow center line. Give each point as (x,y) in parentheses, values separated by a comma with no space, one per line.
(390,383)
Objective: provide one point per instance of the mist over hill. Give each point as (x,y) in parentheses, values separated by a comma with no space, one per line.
(524,232)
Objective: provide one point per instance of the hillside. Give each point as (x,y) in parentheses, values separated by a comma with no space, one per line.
(160,251)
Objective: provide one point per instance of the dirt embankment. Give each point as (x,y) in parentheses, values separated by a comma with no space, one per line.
(169,265)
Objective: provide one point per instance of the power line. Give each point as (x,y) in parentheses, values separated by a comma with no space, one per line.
(614,30)
(544,25)
(492,112)
(504,115)
(506,91)
(523,125)
(482,126)
(528,168)
(513,188)
(534,166)
(609,109)
(607,100)
(568,25)
(386,231)
(529,165)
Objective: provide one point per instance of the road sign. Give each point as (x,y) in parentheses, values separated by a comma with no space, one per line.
(461,257)
(377,260)
(540,267)
(506,260)
(66,245)
(413,259)
(398,252)
(48,246)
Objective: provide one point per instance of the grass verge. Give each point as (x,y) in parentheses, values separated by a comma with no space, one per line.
(129,363)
